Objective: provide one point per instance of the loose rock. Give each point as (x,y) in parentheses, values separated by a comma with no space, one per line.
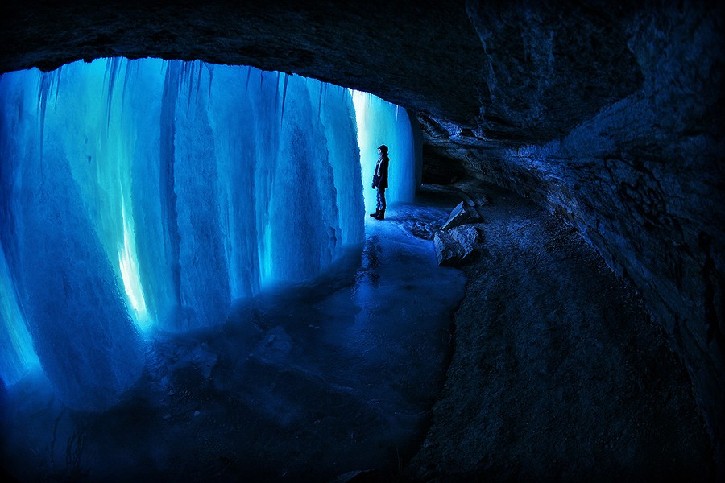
(456,246)
(460,215)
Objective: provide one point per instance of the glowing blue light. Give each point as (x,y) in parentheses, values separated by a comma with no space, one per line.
(17,356)
(128,264)
(379,123)
(169,190)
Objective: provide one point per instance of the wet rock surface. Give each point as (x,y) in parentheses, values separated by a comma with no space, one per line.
(558,373)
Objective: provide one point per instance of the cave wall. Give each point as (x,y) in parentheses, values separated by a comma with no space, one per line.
(609,114)
(642,179)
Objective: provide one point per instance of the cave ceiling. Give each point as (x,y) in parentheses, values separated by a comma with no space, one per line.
(509,72)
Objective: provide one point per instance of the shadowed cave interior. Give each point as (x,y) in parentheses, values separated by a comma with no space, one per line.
(581,338)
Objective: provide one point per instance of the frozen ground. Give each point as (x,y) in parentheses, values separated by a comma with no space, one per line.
(306,383)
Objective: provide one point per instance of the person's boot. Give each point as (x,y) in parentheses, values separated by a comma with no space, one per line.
(375,215)
(381,215)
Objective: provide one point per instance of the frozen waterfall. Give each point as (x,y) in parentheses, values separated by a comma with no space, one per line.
(380,122)
(150,194)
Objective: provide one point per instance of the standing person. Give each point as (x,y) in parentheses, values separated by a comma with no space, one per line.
(380,181)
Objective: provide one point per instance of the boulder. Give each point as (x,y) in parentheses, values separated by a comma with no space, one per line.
(456,246)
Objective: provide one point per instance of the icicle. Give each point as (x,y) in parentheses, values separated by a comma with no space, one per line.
(105,73)
(167,194)
(43,90)
(129,72)
(276,94)
(210,68)
(113,62)
(284,96)
(189,78)
(246,83)
(57,72)
(319,103)
(200,67)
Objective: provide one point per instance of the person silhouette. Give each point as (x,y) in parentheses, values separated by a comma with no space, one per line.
(380,181)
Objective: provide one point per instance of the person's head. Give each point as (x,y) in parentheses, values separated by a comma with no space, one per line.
(383,150)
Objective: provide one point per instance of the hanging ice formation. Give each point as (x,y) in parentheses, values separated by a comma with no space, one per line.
(152,194)
(380,122)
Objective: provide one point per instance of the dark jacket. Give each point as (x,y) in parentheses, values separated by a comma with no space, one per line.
(381,170)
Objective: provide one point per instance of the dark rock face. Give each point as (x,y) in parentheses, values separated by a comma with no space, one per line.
(546,69)
(643,182)
(558,373)
(460,215)
(608,115)
(457,245)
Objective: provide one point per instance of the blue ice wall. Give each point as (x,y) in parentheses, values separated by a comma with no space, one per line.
(380,122)
(151,194)
(64,281)
(17,355)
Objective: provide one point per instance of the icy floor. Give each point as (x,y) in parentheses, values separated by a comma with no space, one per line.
(307,383)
